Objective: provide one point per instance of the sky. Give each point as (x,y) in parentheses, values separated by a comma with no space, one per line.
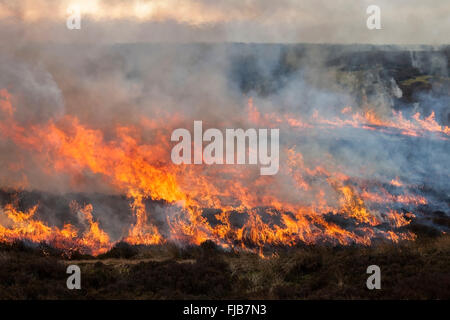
(263,21)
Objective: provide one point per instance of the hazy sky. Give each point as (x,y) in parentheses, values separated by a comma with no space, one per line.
(317,21)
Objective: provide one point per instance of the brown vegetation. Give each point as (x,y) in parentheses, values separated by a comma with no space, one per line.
(410,270)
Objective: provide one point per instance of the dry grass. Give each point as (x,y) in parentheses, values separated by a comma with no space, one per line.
(411,270)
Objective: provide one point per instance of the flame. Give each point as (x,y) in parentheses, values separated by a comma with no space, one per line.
(396,182)
(354,206)
(23,226)
(369,120)
(399,220)
(94,238)
(142,170)
(5,103)
(141,232)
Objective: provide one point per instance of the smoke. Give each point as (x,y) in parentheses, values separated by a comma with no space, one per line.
(109,86)
(153,88)
(343,21)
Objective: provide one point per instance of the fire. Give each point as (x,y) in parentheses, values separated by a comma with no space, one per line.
(142,170)
(22,225)
(369,120)
(94,237)
(400,220)
(142,232)
(5,103)
(353,206)
(396,182)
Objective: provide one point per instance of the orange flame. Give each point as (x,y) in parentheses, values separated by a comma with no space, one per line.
(134,167)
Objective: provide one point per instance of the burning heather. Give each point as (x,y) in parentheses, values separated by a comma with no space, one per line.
(86,145)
